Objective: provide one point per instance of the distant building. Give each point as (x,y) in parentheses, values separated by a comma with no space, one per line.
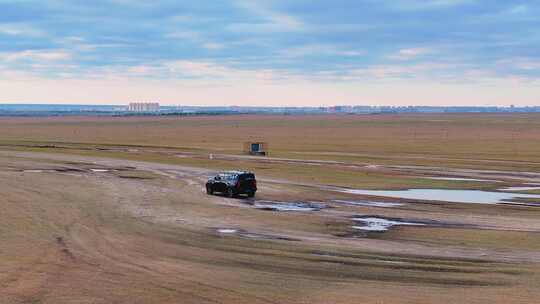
(143,107)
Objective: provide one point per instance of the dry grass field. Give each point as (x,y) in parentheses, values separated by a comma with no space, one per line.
(113,210)
(456,137)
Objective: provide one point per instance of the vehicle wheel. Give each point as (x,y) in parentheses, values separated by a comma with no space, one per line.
(209,191)
(230,192)
(251,194)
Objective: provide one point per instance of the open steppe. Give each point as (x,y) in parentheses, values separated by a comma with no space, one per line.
(113,210)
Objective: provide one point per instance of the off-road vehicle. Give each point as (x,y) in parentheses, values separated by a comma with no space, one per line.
(232,183)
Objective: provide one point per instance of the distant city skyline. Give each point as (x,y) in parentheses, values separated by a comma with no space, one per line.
(271,52)
(144,108)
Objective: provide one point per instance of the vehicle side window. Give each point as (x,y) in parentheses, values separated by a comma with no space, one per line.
(247,176)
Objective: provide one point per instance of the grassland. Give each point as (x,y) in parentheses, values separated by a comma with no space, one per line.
(442,139)
(145,232)
(487,141)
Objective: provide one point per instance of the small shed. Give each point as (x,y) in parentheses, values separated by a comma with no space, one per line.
(256,148)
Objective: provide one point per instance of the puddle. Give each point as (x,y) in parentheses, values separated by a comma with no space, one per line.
(73,170)
(456,196)
(369,203)
(100,170)
(249,235)
(463,179)
(520,188)
(380,224)
(134,177)
(393,262)
(68,170)
(289,206)
(372,167)
(227,231)
(63,170)
(258,236)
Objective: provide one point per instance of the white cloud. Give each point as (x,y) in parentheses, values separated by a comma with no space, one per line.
(36,55)
(217,72)
(213,46)
(198,69)
(195,37)
(20,30)
(191,70)
(520,63)
(410,53)
(252,92)
(211,83)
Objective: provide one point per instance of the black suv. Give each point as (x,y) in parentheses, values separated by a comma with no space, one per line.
(233,183)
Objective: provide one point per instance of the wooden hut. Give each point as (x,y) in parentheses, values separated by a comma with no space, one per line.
(256,148)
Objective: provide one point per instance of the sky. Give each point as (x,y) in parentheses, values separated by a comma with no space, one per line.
(271,52)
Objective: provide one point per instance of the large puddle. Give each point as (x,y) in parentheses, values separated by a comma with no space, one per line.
(457,196)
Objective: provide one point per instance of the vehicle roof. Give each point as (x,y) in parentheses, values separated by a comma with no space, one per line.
(236,172)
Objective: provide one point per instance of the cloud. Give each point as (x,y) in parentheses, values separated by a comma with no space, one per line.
(199,69)
(271,42)
(197,38)
(266,19)
(122,91)
(402,71)
(414,5)
(520,63)
(320,50)
(519,9)
(191,71)
(509,14)
(184,34)
(36,55)
(20,30)
(411,53)
(213,45)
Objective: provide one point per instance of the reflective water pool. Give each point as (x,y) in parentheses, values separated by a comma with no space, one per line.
(457,196)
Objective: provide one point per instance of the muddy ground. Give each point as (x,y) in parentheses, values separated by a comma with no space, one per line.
(86,229)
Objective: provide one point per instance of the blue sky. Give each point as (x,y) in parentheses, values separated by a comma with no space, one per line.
(271,52)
